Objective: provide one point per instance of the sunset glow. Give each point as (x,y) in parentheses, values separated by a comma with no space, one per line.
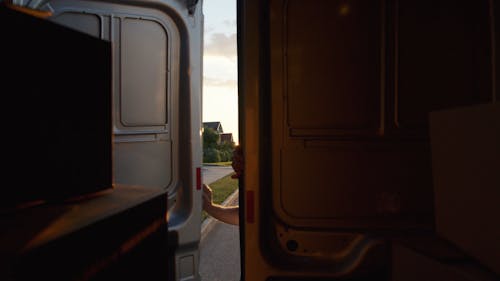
(220,75)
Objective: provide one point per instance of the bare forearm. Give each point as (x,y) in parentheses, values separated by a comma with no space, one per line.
(228,214)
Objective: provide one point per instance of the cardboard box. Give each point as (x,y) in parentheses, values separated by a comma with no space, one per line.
(409,264)
(465,145)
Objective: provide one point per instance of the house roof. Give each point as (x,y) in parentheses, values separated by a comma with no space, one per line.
(213,125)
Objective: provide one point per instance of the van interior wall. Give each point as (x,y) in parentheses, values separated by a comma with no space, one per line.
(343,148)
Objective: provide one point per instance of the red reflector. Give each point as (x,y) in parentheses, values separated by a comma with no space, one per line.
(250,204)
(198,178)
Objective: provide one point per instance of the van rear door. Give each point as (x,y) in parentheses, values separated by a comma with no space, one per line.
(334,102)
(156,85)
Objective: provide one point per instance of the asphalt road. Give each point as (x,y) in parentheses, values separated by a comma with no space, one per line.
(219,246)
(213,173)
(220,254)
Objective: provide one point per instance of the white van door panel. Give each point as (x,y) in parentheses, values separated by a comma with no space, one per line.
(157,72)
(335,97)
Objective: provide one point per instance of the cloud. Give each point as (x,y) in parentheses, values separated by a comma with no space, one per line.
(209,29)
(214,82)
(230,23)
(221,45)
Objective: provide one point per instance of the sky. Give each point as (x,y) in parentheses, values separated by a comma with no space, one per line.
(220,65)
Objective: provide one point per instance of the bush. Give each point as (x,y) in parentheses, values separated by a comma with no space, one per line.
(226,151)
(213,151)
(211,155)
(224,156)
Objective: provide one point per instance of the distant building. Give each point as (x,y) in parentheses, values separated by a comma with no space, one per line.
(226,138)
(216,126)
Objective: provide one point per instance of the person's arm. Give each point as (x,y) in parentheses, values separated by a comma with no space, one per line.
(228,214)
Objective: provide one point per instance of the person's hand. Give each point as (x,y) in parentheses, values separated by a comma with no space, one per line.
(207,197)
(238,162)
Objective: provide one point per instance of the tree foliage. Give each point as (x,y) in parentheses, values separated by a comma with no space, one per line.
(213,151)
(211,155)
(210,138)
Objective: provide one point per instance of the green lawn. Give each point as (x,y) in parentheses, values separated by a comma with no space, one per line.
(219,164)
(222,188)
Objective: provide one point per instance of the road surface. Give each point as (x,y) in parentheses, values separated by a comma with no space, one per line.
(220,254)
(219,246)
(213,173)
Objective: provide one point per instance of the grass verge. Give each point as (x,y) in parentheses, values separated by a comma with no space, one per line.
(221,189)
(218,164)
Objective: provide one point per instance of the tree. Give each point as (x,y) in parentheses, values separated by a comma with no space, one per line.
(210,138)
(213,151)
(211,155)
(226,151)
